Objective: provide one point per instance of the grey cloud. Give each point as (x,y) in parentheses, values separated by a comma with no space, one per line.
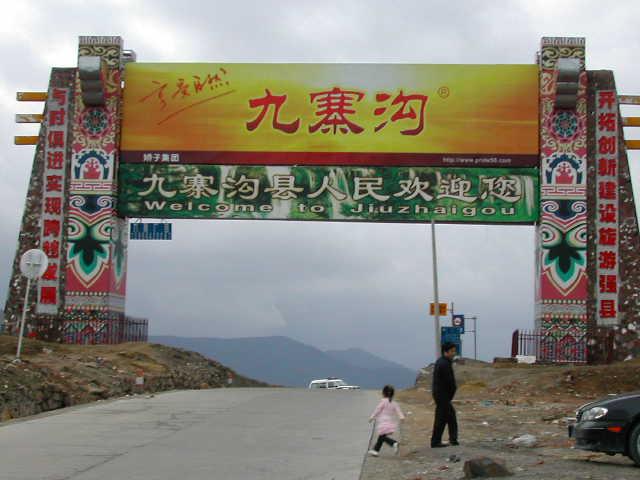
(332,285)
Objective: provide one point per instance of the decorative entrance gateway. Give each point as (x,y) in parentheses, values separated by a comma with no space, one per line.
(491,144)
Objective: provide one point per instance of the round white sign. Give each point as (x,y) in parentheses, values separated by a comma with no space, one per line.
(33,263)
(457,321)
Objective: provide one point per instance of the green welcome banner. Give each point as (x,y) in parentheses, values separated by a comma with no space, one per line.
(370,194)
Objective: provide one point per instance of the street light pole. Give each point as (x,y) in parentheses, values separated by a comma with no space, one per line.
(475,340)
(435,289)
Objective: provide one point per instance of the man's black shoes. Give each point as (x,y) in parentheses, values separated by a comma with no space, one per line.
(453,443)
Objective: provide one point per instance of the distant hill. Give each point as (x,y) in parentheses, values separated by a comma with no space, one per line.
(284,361)
(361,358)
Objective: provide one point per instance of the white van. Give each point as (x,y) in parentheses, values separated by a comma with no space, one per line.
(332,384)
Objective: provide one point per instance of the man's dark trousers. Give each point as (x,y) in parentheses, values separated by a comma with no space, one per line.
(445,416)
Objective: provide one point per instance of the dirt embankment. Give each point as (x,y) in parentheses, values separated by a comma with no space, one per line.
(495,405)
(53,376)
(551,382)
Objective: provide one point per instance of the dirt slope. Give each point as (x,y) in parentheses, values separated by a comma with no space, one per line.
(53,376)
(497,403)
(555,382)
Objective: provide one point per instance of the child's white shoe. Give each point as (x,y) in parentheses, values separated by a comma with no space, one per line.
(373,453)
(396,448)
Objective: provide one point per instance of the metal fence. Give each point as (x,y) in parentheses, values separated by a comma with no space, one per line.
(95,332)
(590,346)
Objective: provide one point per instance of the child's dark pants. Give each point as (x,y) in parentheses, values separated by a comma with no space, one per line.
(383,439)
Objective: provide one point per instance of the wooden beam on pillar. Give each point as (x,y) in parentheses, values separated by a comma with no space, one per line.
(29,117)
(26,140)
(31,96)
(632,144)
(629,99)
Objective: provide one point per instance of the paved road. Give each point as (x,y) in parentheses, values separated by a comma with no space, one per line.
(190,435)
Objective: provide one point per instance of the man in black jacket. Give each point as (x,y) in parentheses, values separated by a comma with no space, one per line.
(443,390)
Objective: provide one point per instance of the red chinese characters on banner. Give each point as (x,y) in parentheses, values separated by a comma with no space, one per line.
(48,295)
(404,111)
(51,273)
(335,107)
(607,213)
(53,189)
(607,144)
(337,112)
(51,228)
(607,101)
(607,219)
(607,260)
(55,139)
(607,167)
(607,190)
(607,309)
(607,122)
(54,183)
(53,205)
(56,117)
(51,248)
(275,101)
(608,283)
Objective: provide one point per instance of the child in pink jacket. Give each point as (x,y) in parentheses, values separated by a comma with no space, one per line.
(386,415)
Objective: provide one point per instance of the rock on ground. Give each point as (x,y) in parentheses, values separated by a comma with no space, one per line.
(483,467)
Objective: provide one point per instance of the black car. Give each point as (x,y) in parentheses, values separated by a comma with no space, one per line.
(610,425)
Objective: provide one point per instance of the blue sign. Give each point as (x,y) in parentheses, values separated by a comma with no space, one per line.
(458,321)
(452,334)
(150,231)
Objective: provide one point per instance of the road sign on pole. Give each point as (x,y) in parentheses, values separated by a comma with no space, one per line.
(33,264)
(150,231)
(457,320)
(452,334)
(442,309)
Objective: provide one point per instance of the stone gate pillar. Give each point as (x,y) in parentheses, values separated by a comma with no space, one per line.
(96,252)
(562,283)
(44,219)
(614,238)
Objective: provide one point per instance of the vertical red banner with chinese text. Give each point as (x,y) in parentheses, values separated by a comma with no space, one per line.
(607,215)
(53,198)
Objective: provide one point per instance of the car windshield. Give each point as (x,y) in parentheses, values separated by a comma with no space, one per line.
(339,383)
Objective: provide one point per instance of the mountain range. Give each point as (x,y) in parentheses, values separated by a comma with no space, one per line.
(283,361)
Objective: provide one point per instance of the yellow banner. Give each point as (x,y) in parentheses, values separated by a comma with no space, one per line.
(185,113)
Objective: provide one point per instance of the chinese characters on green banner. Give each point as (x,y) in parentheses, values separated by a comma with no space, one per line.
(394,194)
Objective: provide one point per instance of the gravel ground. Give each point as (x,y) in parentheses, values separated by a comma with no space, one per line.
(486,429)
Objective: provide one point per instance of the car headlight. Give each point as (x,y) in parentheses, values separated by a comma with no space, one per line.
(594,413)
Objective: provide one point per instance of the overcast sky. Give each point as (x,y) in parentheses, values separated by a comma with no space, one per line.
(327,284)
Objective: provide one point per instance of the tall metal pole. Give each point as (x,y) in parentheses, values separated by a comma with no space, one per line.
(24,314)
(475,340)
(435,289)
(475,337)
